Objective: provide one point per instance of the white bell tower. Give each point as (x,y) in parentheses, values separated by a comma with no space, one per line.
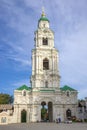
(45,59)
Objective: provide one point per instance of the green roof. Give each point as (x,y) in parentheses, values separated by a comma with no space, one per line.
(24,87)
(65,88)
(43,18)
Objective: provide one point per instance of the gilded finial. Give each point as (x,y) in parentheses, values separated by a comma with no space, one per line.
(43,12)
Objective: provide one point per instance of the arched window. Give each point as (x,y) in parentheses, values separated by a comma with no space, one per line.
(45,64)
(45,41)
(23,115)
(68,114)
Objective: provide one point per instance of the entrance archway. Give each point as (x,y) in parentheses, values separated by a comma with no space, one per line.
(23,115)
(44,111)
(68,114)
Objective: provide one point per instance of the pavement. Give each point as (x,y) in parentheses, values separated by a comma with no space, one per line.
(45,126)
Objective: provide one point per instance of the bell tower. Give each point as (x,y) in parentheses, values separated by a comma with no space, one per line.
(45,59)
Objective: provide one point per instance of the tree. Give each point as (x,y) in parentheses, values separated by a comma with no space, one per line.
(5,98)
(43,113)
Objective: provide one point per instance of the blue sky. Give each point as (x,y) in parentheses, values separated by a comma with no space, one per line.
(19,20)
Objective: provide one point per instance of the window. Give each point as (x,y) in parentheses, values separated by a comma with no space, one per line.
(24,93)
(45,41)
(3,120)
(68,114)
(45,64)
(23,115)
(68,94)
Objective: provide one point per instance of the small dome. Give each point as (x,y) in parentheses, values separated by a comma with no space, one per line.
(43,19)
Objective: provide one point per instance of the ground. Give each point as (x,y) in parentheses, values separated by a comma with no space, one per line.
(45,126)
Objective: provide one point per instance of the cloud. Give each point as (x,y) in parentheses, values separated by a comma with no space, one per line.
(16,53)
(82,92)
(22,62)
(16,17)
(15,85)
(73,59)
(21,82)
(19,22)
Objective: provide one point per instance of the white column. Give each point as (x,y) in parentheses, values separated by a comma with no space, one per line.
(53,64)
(33,64)
(36,64)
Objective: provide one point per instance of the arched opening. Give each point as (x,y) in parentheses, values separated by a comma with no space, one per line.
(50,111)
(23,115)
(45,64)
(68,114)
(44,112)
(45,40)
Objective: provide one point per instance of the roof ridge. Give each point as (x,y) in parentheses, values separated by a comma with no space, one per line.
(66,87)
(23,87)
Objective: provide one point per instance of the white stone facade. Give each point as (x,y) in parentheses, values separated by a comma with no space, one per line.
(45,82)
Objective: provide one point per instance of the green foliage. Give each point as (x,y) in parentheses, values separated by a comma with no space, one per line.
(85,120)
(43,113)
(5,98)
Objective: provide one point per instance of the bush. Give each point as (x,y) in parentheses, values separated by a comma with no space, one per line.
(85,120)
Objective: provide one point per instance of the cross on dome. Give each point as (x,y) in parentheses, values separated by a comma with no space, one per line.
(43,12)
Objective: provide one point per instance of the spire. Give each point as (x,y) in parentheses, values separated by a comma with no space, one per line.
(43,16)
(43,12)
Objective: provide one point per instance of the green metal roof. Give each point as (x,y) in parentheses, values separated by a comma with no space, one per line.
(65,88)
(43,18)
(24,87)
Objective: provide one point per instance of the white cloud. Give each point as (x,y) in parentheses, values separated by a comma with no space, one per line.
(23,62)
(82,93)
(17,84)
(13,86)
(20,21)
(73,62)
